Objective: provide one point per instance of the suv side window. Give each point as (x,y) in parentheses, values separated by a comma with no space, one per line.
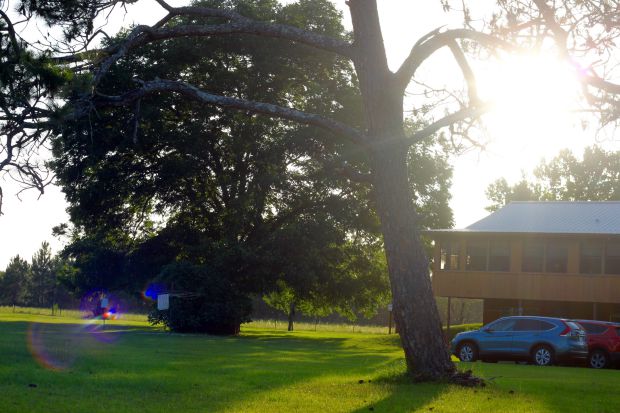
(618,331)
(503,325)
(525,324)
(545,326)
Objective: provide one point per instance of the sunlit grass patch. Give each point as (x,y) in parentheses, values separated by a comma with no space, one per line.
(263,370)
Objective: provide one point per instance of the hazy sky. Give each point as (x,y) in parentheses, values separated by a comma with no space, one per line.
(521,135)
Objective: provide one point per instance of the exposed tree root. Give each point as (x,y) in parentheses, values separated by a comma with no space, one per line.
(466,379)
(461,378)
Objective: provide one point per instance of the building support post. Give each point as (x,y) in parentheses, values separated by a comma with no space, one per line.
(448,318)
(594,311)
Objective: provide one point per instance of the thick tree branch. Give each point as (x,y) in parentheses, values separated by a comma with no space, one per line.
(549,16)
(602,84)
(237,24)
(471,112)
(561,36)
(436,40)
(11,31)
(155,86)
(468,73)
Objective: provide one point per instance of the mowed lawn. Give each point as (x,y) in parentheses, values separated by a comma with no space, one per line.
(131,367)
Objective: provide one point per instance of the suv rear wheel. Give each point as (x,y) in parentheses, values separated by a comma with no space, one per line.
(542,355)
(467,352)
(598,359)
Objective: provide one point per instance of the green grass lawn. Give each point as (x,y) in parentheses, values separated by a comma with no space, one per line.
(131,367)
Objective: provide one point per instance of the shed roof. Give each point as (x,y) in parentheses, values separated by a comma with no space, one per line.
(550,217)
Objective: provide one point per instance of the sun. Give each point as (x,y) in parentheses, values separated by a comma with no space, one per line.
(534,114)
(534,105)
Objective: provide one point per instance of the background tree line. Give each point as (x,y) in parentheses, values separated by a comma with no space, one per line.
(38,283)
(595,176)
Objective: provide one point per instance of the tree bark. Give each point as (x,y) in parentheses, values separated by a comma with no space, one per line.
(291,316)
(415,310)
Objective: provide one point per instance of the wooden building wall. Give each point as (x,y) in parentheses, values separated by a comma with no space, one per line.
(514,286)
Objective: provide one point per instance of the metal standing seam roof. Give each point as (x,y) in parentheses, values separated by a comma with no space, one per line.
(551,217)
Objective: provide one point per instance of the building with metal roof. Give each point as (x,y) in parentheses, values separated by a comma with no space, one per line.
(557,259)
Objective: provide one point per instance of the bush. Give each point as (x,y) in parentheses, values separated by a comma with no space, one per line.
(202,301)
(454,330)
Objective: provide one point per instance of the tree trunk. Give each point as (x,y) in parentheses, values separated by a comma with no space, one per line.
(415,310)
(291,316)
(414,307)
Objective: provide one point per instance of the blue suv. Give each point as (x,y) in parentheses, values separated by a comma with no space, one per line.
(540,340)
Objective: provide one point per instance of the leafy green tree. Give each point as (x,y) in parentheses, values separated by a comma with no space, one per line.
(501,193)
(327,268)
(594,177)
(44,270)
(225,186)
(220,184)
(14,289)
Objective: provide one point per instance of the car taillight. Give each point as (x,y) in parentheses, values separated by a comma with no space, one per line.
(566,331)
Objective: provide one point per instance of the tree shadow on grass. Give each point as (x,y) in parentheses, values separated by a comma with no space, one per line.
(406,397)
(203,373)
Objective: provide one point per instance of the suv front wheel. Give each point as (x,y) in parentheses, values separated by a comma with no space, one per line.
(542,355)
(467,352)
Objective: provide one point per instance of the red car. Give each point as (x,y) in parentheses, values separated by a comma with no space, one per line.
(603,343)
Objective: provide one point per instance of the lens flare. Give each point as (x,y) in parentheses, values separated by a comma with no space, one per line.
(100,305)
(151,291)
(54,347)
(57,346)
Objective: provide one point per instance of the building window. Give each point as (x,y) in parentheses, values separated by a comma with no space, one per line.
(612,258)
(556,257)
(450,253)
(591,258)
(477,255)
(499,256)
(533,256)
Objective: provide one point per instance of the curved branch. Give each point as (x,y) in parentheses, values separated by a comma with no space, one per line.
(154,86)
(471,112)
(549,16)
(468,73)
(561,36)
(436,40)
(11,31)
(238,24)
(602,84)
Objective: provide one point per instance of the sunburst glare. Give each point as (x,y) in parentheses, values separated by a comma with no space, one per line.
(534,104)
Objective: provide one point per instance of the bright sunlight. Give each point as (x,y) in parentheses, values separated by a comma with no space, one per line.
(535,114)
(535,105)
